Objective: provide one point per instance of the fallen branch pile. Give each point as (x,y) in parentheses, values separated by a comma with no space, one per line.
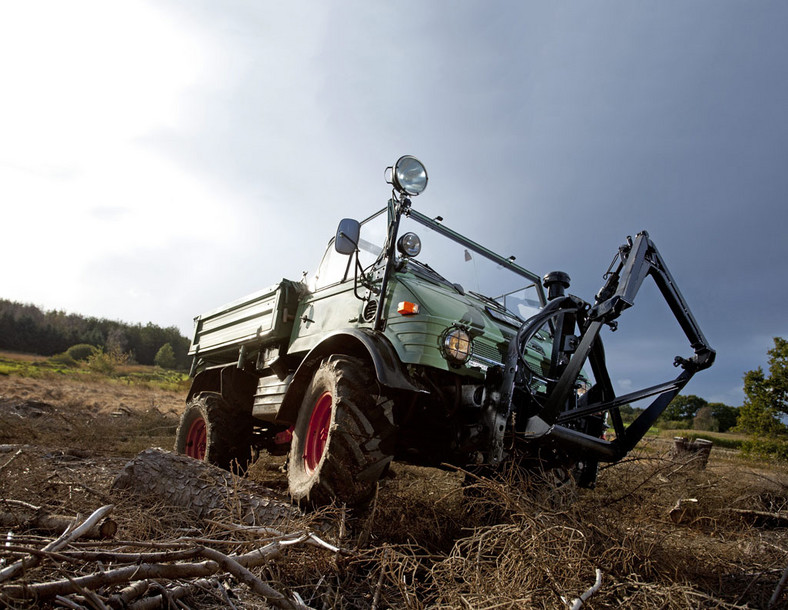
(149,579)
(250,527)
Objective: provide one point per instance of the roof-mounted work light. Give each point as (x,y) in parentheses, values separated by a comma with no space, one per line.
(408,176)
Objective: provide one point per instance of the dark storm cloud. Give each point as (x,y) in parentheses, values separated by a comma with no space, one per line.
(673,121)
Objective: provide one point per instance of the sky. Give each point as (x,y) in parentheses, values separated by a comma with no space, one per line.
(159,159)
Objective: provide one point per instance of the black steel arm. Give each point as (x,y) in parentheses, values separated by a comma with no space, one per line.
(637,259)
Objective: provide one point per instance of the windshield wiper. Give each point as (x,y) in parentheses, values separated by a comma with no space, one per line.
(426,270)
(492,302)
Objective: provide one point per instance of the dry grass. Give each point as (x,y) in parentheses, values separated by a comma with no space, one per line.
(539,552)
(426,541)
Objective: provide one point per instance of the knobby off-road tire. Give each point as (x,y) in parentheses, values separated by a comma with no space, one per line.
(210,430)
(344,438)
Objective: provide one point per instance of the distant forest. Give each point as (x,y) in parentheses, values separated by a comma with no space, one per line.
(26,328)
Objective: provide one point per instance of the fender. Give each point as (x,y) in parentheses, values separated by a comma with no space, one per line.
(235,385)
(360,342)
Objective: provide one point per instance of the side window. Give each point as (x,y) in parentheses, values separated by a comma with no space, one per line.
(332,269)
(373,236)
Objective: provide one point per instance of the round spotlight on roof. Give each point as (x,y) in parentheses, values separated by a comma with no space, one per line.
(409,176)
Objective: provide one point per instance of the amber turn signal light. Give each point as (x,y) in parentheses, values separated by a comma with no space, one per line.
(407,308)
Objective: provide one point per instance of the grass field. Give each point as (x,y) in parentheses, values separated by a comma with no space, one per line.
(40,367)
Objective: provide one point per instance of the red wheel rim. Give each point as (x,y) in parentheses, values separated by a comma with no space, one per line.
(196,439)
(317,433)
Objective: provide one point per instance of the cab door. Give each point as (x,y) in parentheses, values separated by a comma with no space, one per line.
(331,304)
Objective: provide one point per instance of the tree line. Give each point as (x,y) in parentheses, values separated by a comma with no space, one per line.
(27,328)
(690,411)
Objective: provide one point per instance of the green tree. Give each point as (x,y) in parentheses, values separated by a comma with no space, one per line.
(81,351)
(106,363)
(767,395)
(683,408)
(165,357)
(724,414)
(629,413)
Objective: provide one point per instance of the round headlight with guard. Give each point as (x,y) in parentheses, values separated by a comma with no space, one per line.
(409,244)
(456,345)
(409,176)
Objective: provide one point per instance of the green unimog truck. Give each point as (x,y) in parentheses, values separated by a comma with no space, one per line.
(415,343)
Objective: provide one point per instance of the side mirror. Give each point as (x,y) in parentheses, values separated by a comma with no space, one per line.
(347,236)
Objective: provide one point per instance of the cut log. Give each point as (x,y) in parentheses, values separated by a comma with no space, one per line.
(206,490)
(692,453)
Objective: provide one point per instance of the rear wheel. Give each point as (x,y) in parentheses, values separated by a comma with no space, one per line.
(344,438)
(210,430)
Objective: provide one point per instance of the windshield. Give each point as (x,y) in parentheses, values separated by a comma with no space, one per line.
(444,260)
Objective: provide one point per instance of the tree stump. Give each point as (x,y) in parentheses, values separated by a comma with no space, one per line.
(206,490)
(693,453)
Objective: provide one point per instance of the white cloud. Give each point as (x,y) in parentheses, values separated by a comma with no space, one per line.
(83,84)
(624,385)
(80,76)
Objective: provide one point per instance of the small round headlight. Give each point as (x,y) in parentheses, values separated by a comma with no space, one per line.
(409,244)
(410,176)
(456,345)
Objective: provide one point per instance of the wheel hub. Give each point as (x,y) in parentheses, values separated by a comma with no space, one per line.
(196,439)
(317,433)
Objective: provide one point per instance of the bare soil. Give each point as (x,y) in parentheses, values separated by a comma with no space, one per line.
(426,541)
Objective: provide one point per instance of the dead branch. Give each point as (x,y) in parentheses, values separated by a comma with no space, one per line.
(761,517)
(11,459)
(579,601)
(163,599)
(379,586)
(68,603)
(69,536)
(685,509)
(107,556)
(307,537)
(48,590)
(778,589)
(238,566)
(250,580)
(20,503)
(55,523)
(123,598)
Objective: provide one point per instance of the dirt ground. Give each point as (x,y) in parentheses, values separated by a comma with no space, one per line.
(424,542)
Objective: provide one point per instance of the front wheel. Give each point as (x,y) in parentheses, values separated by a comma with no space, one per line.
(211,431)
(343,438)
